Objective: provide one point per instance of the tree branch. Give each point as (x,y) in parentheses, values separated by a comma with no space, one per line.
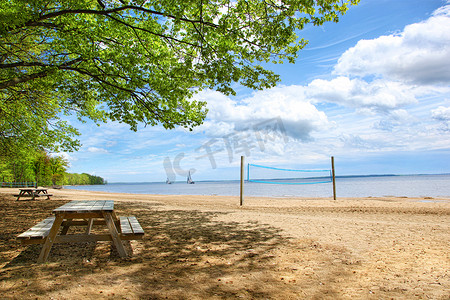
(22,64)
(114,10)
(25,78)
(17,80)
(151,32)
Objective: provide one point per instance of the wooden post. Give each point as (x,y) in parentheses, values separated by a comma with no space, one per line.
(242,180)
(334,177)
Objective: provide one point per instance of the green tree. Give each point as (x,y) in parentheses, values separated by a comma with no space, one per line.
(22,166)
(83,179)
(19,168)
(42,168)
(137,61)
(46,170)
(5,172)
(58,167)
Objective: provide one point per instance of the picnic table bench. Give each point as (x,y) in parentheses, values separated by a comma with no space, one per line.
(83,213)
(33,193)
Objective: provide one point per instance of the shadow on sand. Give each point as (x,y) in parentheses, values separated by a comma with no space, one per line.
(185,254)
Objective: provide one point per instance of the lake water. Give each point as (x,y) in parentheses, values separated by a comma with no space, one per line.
(376,186)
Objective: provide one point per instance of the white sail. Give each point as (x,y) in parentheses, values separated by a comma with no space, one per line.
(189,178)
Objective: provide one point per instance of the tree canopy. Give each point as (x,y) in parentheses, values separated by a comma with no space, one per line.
(137,61)
(42,169)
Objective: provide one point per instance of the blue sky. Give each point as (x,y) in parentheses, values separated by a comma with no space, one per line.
(372,90)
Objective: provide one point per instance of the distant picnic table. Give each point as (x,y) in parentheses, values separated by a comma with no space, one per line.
(33,193)
(83,213)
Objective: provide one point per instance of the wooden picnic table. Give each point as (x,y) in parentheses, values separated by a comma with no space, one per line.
(33,193)
(83,213)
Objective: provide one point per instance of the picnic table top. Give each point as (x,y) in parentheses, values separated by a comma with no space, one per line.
(86,207)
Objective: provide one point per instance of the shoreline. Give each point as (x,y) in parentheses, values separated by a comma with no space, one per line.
(447,198)
(209,247)
(73,193)
(398,186)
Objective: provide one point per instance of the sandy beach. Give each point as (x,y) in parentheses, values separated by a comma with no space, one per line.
(208,247)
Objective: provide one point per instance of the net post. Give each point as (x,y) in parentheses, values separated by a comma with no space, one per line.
(334,177)
(242,181)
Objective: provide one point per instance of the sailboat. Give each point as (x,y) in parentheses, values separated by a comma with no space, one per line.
(168,181)
(189,179)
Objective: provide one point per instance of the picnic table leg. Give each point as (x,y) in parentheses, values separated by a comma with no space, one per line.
(65,229)
(50,239)
(114,234)
(20,195)
(45,193)
(89,227)
(116,221)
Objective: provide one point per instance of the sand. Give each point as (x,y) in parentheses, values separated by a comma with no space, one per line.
(208,247)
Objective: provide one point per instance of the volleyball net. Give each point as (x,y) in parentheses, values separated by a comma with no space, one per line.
(273,175)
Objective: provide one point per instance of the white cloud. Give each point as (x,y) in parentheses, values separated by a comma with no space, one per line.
(354,141)
(420,54)
(96,150)
(379,94)
(395,119)
(299,116)
(441,113)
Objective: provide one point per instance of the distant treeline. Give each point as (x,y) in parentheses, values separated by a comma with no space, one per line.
(42,168)
(83,179)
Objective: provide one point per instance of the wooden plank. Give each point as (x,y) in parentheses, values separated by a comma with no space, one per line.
(32,241)
(125,226)
(131,229)
(65,229)
(115,235)
(129,237)
(109,205)
(61,208)
(81,215)
(81,206)
(73,206)
(72,222)
(137,228)
(40,230)
(86,206)
(82,238)
(35,234)
(105,205)
(89,226)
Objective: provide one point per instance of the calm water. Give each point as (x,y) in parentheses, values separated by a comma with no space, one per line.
(408,186)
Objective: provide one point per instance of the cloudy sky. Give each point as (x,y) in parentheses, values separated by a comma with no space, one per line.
(372,90)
